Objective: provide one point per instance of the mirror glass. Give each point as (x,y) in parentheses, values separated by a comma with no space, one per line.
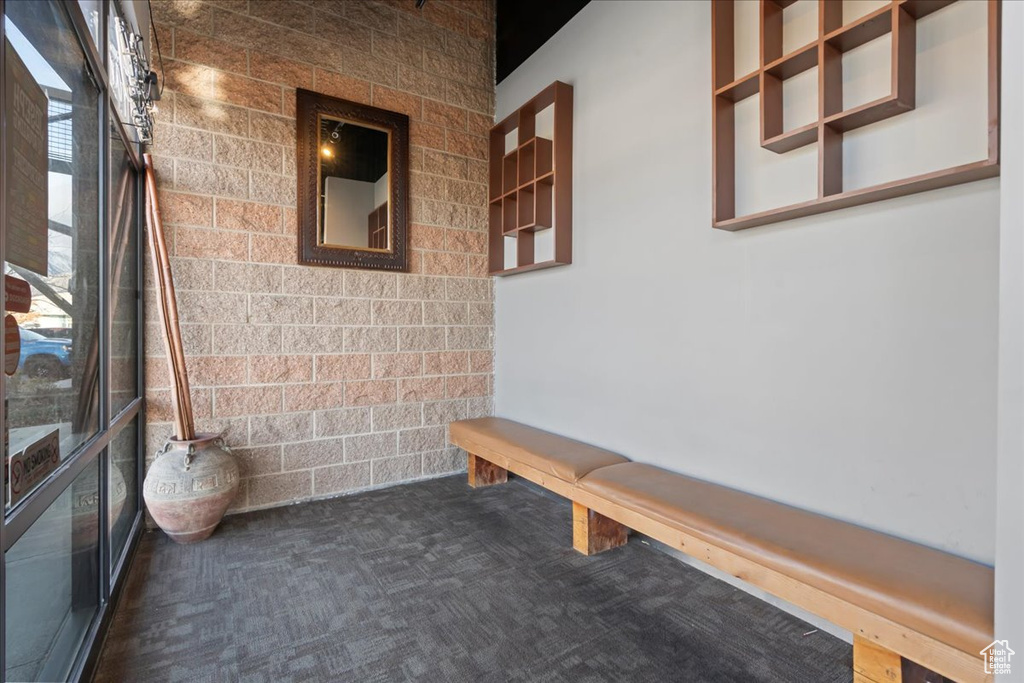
(354,185)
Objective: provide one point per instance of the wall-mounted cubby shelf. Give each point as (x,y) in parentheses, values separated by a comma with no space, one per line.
(377,227)
(834,39)
(531,185)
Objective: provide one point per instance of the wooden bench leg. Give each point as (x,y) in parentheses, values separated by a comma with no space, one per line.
(593,533)
(484,473)
(874,664)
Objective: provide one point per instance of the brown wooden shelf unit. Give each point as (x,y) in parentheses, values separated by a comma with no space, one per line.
(531,186)
(377,227)
(898,18)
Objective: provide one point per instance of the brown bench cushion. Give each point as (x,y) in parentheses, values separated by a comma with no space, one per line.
(940,595)
(552,454)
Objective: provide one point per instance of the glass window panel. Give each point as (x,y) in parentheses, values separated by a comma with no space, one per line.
(53,147)
(92,9)
(124,275)
(121,69)
(53,584)
(123,487)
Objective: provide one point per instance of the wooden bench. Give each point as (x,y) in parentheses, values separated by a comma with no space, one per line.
(907,605)
(496,447)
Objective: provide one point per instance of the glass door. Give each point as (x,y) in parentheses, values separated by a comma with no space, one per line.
(71,415)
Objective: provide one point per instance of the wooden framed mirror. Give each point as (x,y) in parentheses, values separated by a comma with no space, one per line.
(353,175)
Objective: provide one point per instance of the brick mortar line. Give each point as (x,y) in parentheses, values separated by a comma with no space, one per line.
(213,33)
(170,156)
(424,250)
(290,117)
(292,206)
(452,5)
(417,119)
(283,146)
(315,68)
(294,177)
(313,383)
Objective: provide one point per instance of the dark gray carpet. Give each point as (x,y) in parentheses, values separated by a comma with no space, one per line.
(435,581)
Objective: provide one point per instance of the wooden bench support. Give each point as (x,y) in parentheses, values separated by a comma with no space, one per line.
(484,473)
(872,663)
(593,533)
(612,496)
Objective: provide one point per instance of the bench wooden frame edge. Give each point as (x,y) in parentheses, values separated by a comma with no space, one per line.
(874,664)
(484,473)
(869,627)
(593,533)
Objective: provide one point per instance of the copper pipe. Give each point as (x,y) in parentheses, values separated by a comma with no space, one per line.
(181,398)
(165,332)
(172,338)
(173,344)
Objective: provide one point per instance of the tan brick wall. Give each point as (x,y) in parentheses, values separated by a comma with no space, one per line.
(323,380)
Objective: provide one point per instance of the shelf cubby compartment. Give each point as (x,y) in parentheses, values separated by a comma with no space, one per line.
(894,19)
(772,21)
(836,37)
(922,8)
(495,247)
(792,139)
(496,169)
(524,250)
(741,88)
(531,186)
(535,160)
(861,31)
(510,173)
(866,114)
(773,136)
(794,63)
(535,207)
(527,159)
(510,213)
(544,204)
(544,157)
(526,207)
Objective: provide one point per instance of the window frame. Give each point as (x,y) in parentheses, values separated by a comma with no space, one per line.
(112,570)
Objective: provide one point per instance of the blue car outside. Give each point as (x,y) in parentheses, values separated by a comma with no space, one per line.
(43,357)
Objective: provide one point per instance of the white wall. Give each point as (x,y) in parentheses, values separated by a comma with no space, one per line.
(380,190)
(843,363)
(1010,470)
(347,206)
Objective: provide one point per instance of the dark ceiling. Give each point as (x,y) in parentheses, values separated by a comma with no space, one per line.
(351,151)
(525,25)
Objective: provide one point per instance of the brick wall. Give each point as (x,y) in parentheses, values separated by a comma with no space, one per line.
(323,380)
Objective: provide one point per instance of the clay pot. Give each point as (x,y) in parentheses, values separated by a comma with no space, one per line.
(85,504)
(190,485)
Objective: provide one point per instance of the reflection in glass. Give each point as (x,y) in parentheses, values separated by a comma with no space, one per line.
(91,10)
(53,584)
(124,278)
(354,185)
(122,487)
(52,229)
(119,69)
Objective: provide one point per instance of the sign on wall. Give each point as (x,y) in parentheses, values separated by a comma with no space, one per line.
(12,345)
(27,167)
(34,464)
(17,295)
